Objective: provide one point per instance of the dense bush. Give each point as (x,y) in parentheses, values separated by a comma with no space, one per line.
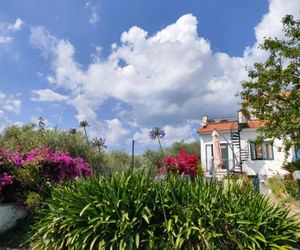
(283,186)
(156,156)
(27,177)
(25,138)
(190,148)
(292,166)
(117,161)
(182,163)
(291,187)
(276,185)
(129,211)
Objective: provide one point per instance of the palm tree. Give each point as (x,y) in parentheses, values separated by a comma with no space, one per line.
(84,124)
(157,133)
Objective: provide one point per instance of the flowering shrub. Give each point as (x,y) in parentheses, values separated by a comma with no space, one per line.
(183,163)
(22,174)
(5,179)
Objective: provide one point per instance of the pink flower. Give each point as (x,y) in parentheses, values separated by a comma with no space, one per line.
(5,179)
(183,163)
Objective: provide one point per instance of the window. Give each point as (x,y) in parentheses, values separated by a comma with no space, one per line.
(224,151)
(261,151)
(209,155)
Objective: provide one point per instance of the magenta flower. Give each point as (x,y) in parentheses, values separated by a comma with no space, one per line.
(5,179)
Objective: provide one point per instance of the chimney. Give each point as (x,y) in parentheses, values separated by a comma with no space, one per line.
(242,119)
(204,120)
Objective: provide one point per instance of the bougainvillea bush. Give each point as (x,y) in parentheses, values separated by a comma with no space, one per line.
(183,163)
(27,177)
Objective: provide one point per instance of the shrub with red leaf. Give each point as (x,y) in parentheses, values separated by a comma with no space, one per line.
(183,163)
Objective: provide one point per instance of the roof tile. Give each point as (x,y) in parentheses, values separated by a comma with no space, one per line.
(228,125)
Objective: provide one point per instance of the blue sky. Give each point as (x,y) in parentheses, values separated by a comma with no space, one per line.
(126,66)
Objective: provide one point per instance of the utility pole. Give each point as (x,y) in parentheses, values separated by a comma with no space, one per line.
(132,155)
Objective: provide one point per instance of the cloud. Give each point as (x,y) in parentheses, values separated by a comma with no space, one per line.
(112,130)
(184,132)
(15,26)
(47,95)
(41,39)
(165,79)
(7,29)
(115,131)
(270,26)
(9,103)
(93,18)
(169,86)
(5,39)
(3,121)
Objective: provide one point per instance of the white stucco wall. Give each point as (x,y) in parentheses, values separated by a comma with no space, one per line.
(256,165)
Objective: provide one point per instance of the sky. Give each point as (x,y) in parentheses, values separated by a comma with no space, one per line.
(126,66)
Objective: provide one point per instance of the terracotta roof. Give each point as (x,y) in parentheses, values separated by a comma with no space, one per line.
(228,125)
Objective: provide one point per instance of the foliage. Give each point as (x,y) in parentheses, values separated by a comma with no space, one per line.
(276,185)
(283,186)
(84,125)
(130,211)
(183,163)
(190,148)
(292,166)
(157,133)
(24,139)
(33,200)
(291,186)
(25,176)
(154,158)
(117,161)
(272,92)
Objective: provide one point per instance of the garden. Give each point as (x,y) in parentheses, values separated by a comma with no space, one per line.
(76,195)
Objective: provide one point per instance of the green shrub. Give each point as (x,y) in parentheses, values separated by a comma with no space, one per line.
(292,166)
(130,211)
(33,200)
(291,186)
(277,186)
(117,161)
(190,148)
(283,186)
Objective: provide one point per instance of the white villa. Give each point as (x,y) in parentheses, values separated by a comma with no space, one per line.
(239,150)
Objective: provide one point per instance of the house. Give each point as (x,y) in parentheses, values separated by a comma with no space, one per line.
(240,150)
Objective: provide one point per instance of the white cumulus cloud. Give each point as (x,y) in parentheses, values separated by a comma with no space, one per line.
(165,79)
(47,95)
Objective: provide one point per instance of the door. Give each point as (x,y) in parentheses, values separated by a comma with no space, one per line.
(209,156)
(225,158)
